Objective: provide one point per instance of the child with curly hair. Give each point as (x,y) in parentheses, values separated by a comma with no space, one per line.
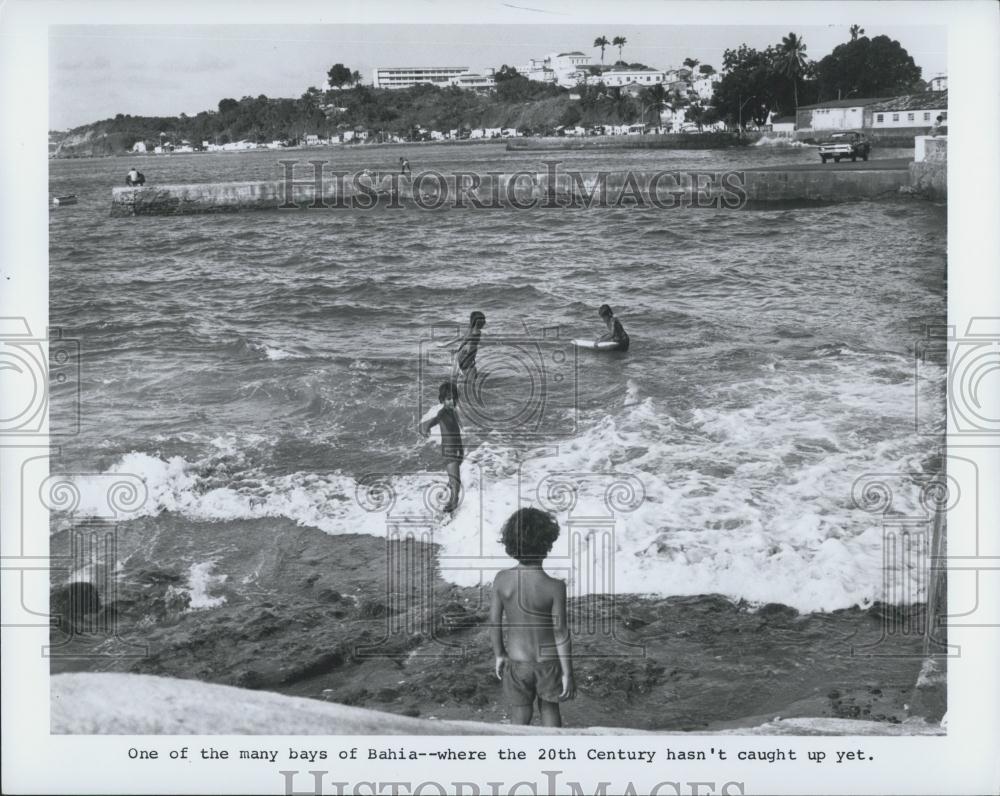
(535,663)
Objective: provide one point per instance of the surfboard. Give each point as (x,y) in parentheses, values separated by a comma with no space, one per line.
(435,435)
(608,345)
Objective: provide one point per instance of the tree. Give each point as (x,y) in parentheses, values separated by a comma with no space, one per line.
(311,99)
(654,98)
(791,61)
(855,31)
(602,42)
(505,73)
(227,105)
(863,67)
(696,114)
(619,42)
(706,69)
(747,88)
(691,63)
(340,76)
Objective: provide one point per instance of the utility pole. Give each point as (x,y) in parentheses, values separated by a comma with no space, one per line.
(742,104)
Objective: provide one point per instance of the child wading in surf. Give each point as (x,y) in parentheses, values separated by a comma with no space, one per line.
(451,441)
(535,663)
(616,332)
(465,357)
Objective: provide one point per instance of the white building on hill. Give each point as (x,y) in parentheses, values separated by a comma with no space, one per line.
(475,82)
(566,69)
(704,86)
(938,83)
(631,77)
(407,76)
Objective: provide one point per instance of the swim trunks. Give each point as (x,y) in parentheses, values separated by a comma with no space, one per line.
(451,435)
(524,680)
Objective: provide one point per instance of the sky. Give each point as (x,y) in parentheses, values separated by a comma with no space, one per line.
(98,71)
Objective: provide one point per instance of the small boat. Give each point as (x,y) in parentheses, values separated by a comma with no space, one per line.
(69,199)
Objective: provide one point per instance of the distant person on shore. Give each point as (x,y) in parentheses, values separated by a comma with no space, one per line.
(135,177)
(404,166)
(465,358)
(535,662)
(451,441)
(937,128)
(616,332)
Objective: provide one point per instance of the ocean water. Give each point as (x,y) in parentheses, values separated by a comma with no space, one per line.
(276,364)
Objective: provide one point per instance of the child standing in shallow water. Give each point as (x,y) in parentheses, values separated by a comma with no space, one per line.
(451,440)
(535,663)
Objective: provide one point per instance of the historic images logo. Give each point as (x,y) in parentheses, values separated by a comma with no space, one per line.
(554,187)
(34,370)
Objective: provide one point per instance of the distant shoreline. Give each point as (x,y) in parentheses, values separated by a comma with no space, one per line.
(500,142)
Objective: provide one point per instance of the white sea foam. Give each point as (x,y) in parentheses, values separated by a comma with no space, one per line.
(778,141)
(274,352)
(750,501)
(201,581)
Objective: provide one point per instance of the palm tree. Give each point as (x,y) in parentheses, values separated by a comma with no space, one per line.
(791,61)
(602,42)
(656,99)
(619,42)
(856,30)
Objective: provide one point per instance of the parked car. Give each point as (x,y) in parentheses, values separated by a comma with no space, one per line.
(845,145)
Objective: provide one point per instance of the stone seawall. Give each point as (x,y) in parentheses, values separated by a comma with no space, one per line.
(524,190)
(929,171)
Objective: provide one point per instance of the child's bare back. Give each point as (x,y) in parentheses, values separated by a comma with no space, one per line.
(530,598)
(535,660)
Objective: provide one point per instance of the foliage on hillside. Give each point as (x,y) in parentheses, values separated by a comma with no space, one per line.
(517,103)
(753,84)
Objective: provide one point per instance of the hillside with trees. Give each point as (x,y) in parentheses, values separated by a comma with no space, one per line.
(752,85)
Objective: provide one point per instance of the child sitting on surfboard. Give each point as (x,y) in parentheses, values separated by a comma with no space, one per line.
(616,332)
(451,440)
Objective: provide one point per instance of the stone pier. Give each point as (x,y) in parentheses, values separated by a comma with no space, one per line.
(667,189)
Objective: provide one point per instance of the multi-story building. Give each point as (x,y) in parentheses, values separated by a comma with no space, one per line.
(704,86)
(939,83)
(407,76)
(631,77)
(565,69)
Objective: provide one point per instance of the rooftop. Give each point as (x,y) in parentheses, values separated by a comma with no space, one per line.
(854,102)
(630,70)
(925,101)
(420,68)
